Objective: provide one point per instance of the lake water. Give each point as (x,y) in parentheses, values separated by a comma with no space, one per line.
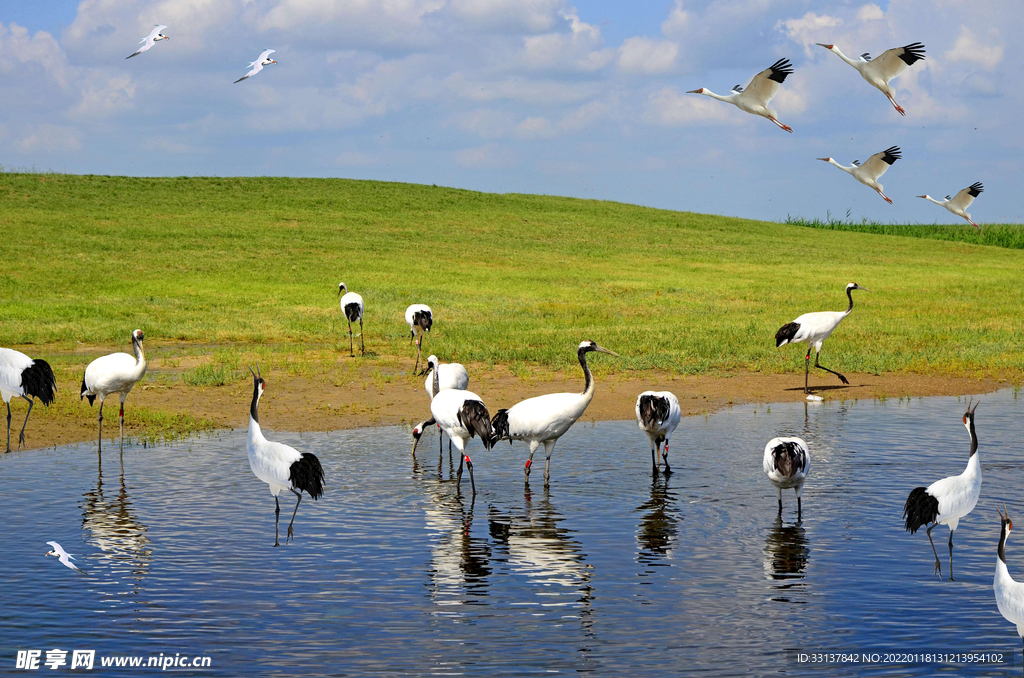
(612,571)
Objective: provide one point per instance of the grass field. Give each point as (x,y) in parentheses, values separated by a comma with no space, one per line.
(251,266)
(998,235)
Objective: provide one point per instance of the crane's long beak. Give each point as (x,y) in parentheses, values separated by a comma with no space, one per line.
(604,350)
(824,159)
(920,196)
(821,44)
(863,288)
(696,91)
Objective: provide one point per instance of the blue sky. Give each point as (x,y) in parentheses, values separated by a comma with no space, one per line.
(533,96)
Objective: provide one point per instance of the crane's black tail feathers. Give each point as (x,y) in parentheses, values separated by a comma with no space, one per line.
(499,424)
(653,410)
(477,420)
(307,474)
(921,509)
(789,458)
(38,380)
(85,392)
(786,334)
(352,312)
(424,319)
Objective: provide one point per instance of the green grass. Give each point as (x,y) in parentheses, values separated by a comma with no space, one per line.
(997,235)
(254,264)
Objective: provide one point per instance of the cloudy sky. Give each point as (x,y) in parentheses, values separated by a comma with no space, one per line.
(583,99)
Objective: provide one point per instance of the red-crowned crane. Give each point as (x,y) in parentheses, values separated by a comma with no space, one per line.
(813,329)
(546,418)
(869,173)
(658,414)
(257,66)
(420,319)
(961,202)
(26,378)
(879,72)
(352,307)
(154,36)
(787,462)
(114,373)
(278,465)
(946,501)
(1009,593)
(758,94)
(443,376)
(462,415)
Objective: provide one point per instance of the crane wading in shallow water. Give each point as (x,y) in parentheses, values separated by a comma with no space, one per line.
(1009,593)
(815,328)
(889,65)
(869,173)
(352,307)
(546,418)
(658,414)
(114,373)
(441,377)
(462,415)
(961,202)
(758,94)
(420,319)
(946,501)
(278,465)
(787,461)
(26,378)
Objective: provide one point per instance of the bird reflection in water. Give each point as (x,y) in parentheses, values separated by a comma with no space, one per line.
(111,526)
(785,560)
(460,563)
(659,525)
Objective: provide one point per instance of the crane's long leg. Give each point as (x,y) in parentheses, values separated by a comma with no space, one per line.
(807,368)
(291,534)
(664,458)
(277,518)
(799,509)
(778,495)
(938,565)
(529,462)
(8,426)
(469,465)
(549,447)
(362,342)
(417,355)
(120,417)
(21,436)
(781,126)
(822,367)
(885,197)
(951,555)
(654,463)
(99,445)
(351,350)
(899,109)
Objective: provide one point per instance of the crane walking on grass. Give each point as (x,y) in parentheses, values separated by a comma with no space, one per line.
(813,329)
(546,418)
(889,65)
(23,377)
(787,461)
(352,307)
(758,94)
(420,319)
(114,373)
(658,414)
(869,173)
(946,501)
(961,202)
(463,415)
(278,465)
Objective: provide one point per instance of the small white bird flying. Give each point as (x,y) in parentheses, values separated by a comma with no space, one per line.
(961,202)
(64,557)
(352,307)
(26,378)
(258,65)
(114,373)
(886,67)
(1009,593)
(420,319)
(946,501)
(787,462)
(869,172)
(658,414)
(758,94)
(814,329)
(154,36)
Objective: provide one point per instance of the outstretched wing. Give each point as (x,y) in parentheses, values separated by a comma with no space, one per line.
(266,53)
(155,32)
(256,68)
(764,85)
(965,197)
(879,162)
(894,61)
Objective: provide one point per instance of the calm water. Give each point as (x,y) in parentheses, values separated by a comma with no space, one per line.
(611,572)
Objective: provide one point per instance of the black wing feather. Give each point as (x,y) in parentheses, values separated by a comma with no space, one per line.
(892,154)
(307,474)
(975,189)
(37,380)
(921,509)
(786,333)
(912,53)
(780,69)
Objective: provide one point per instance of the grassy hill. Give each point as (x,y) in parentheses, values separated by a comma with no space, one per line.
(511,278)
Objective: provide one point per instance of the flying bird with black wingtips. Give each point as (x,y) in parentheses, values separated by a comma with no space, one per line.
(961,202)
(257,66)
(880,71)
(154,36)
(758,93)
(869,172)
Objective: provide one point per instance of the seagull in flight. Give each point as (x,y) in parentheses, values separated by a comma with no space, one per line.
(258,65)
(64,556)
(150,40)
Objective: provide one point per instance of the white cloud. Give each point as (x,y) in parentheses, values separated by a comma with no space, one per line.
(104,96)
(645,55)
(531,15)
(809,29)
(535,127)
(489,156)
(678,21)
(980,53)
(670,108)
(579,50)
(50,138)
(870,12)
(38,54)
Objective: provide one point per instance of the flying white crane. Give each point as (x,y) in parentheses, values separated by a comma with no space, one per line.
(946,501)
(154,36)
(1009,593)
(26,378)
(278,465)
(420,318)
(961,202)
(814,329)
(442,377)
(462,415)
(114,373)
(658,414)
(787,462)
(546,418)
(62,555)
(257,66)
(758,94)
(352,307)
(886,67)
(869,172)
